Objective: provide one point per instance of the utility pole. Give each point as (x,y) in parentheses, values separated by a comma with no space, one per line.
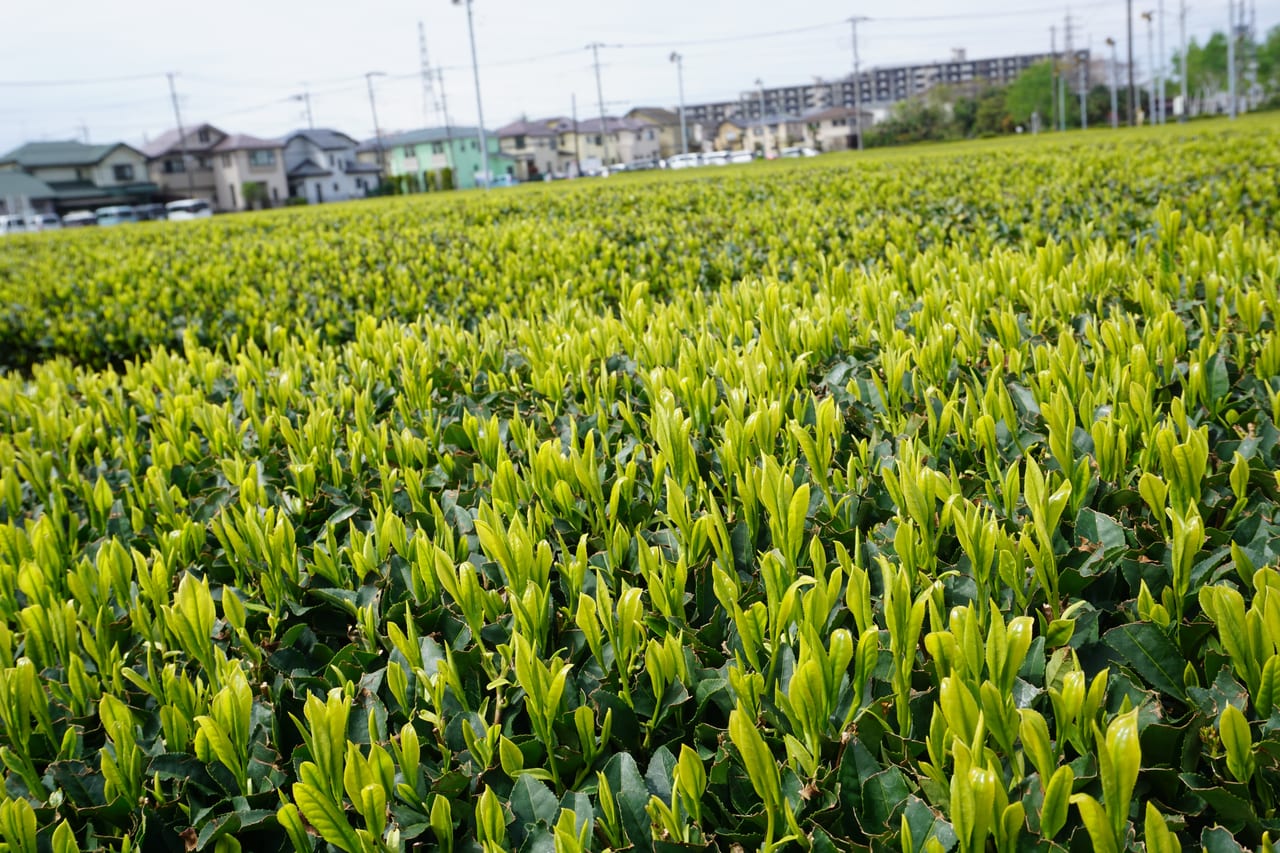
(1133,106)
(305,98)
(1053,77)
(857,82)
(1151,64)
(1115,108)
(84,131)
(1083,66)
(594,47)
(373,108)
(448,124)
(577,146)
(764,137)
(1160,75)
(430,106)
(475,72)
(1182,36)
(1231,56)
(684,131)
(182,139)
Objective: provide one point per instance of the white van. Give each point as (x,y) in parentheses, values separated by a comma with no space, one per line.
(187,209)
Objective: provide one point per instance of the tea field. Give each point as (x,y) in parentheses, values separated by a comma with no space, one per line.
(919,501)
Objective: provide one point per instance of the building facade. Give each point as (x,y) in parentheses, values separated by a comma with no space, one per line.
(323,165)
(85,176)
(432,150)
(249,173)
(192,176)
(535,147)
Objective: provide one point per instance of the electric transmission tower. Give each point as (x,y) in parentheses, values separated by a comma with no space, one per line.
(430,104)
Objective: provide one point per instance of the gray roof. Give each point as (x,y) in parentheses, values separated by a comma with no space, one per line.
(426,134)
(527,128)
(34,155)
(308,169)
(325,138)
(245,142)
(15,183)
(613,124)
(170,141)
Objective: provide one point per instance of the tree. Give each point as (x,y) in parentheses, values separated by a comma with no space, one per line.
(913,120)
(992,115)
(1031,92)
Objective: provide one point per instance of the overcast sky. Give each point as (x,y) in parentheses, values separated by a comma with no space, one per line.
(69,65)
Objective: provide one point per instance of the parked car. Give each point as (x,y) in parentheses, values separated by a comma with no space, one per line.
(741,156)
(79,219)
(12,225)
(503,181)
(116,214)
(799,151)
(187,209)
(43,222)
(684,161)
(716,158)
(149,212)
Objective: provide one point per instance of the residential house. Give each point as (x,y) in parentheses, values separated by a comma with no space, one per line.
(536,148)
(768,137)
(326,165)
(189,177)
(85,176)
(22,194)
(616,141)
(249,173)
(668,124)
(432,150)
(835,128)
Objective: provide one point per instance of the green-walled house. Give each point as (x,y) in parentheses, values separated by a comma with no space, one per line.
(435,149)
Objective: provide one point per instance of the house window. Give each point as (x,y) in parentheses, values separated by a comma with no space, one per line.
(262,158)
(520,141)
(123,172)
(204,162)
(475,146)
(359,183)
(599,140)
(226,161)
(437,148)
(203,135)
(335,186)
(408,151)
(174,165)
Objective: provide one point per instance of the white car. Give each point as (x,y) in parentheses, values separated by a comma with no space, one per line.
(741,156)
(799,151)
(187,209)
(12,225)
(43,222)
(79,219)
(716,158)
(684,161)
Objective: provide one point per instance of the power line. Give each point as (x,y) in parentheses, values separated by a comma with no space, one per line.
(135,78)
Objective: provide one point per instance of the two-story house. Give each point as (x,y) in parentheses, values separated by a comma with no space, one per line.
(767,137)
(85,176)
(835,128)
(322,165)
(616,141)
(535,147)
(432,150)
(668,125)
(192,176)
(249,173)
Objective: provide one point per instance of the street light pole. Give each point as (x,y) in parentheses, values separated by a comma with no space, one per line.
(1231,55)
(1133,104)
(475,72)
(373,108)
(1160,74)
(305,97)
(684,132)
(1115,108)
